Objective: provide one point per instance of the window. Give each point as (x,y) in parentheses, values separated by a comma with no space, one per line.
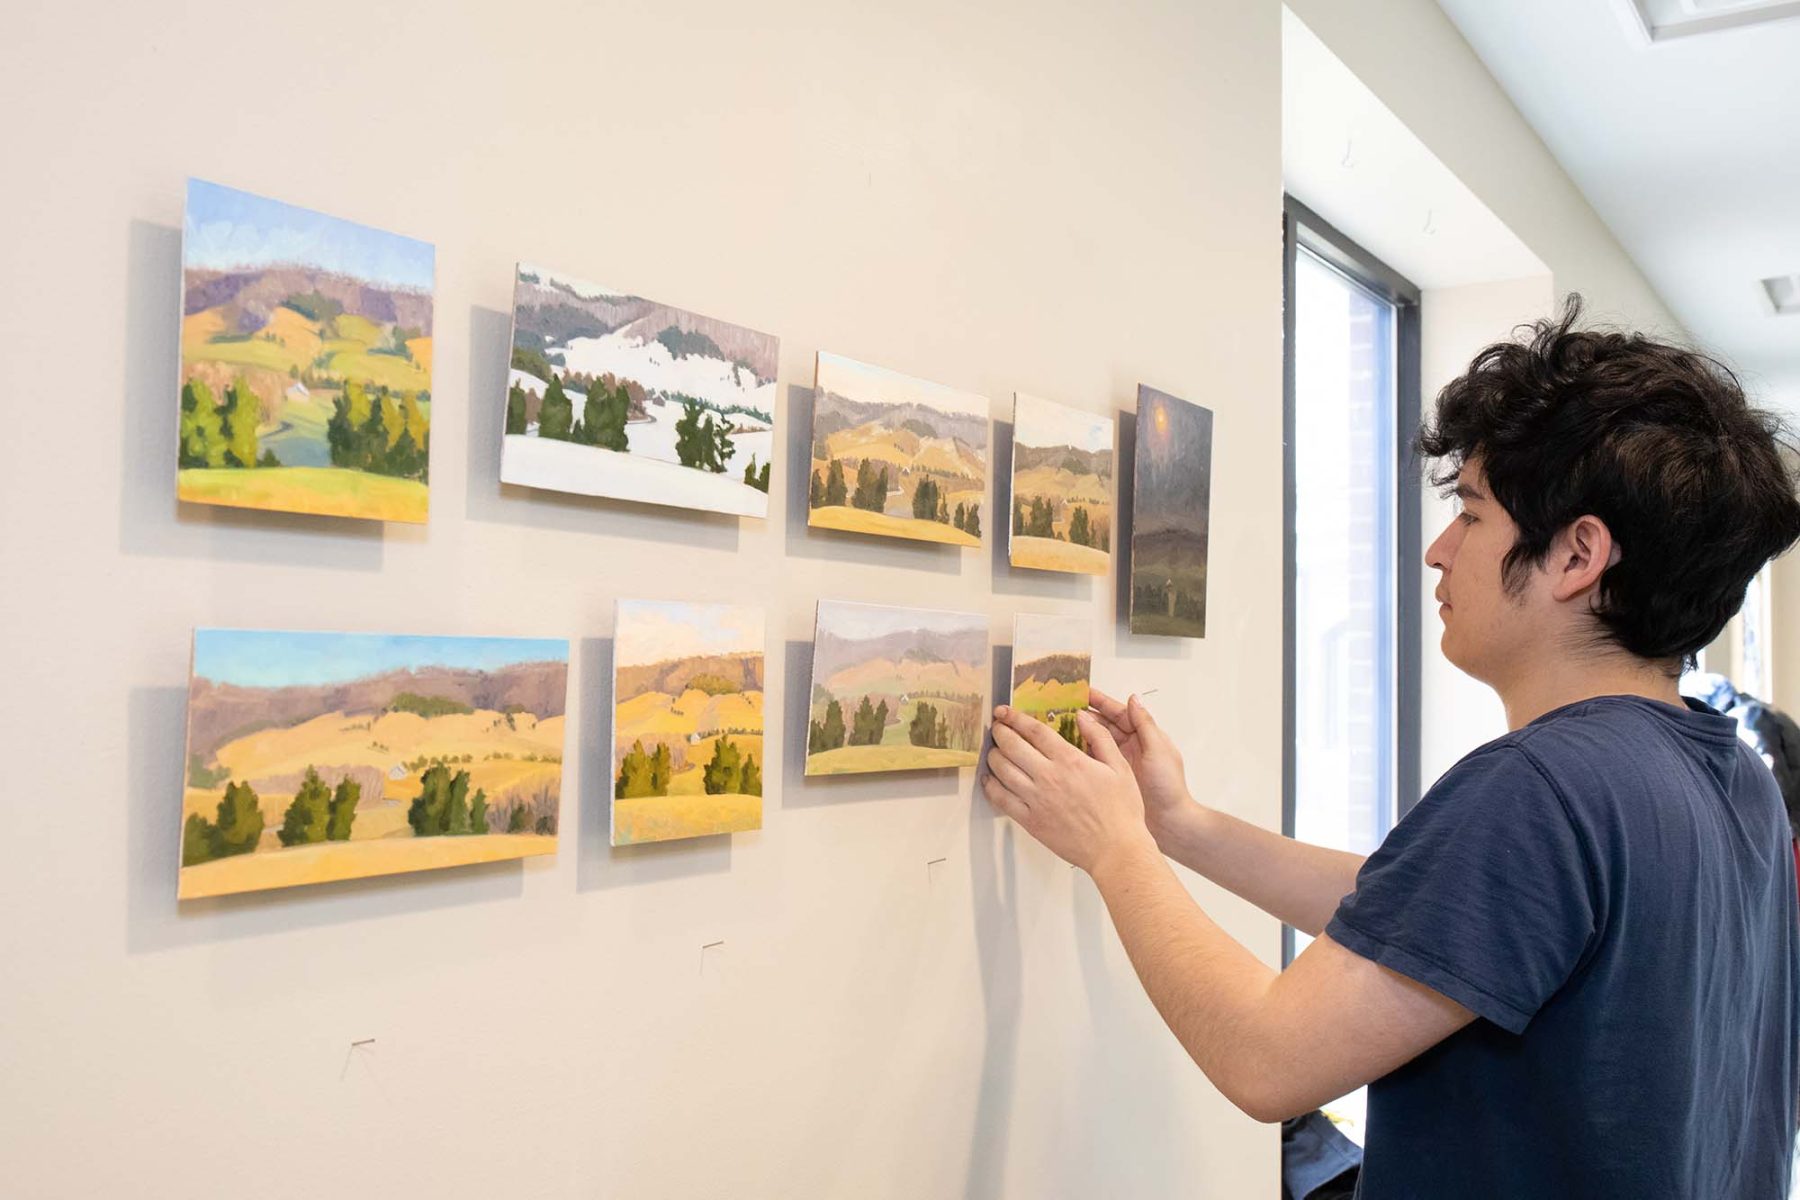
(1352,404)
(1352,561)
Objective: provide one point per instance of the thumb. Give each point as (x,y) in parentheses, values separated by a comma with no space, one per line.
(1100,742)
(1140,716)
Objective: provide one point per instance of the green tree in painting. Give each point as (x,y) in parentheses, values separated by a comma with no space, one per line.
(815,494)
(202,431)
(928,728)
(973,525)
(661,769)
(515,409)
(1018,515)
(519,820)
(871,487)
(724,775)
(692,442)
(837,492)
(925,500)
(751,784)
(1080,530)
(478,813)
(308,817)
(238,828)
(441,796)
(343,810)
(1071,731)
(827,734)
(637,774)
(556,416)
(240,415)
(759,479)
(722,448)
(608,409)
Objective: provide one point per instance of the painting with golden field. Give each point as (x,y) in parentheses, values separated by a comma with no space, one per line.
(895,689)
(314,757)
(687,724)
(305,361)
(1052,661)
(1062,488)
(1170,515)
(894,456)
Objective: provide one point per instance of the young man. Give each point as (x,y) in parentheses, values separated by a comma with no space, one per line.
(1572,970)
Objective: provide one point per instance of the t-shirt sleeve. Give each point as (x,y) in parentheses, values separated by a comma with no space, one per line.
(1483,893)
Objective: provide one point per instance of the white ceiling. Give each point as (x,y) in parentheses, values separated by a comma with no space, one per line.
(1688,147)
(1346,156)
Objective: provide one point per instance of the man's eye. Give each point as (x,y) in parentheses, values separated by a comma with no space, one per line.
(1466,518)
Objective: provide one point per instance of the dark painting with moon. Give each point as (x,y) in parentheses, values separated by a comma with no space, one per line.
(1171,495)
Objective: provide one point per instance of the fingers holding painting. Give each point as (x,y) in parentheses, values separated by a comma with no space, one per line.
(1008,744)
(1010,775)
(1100,743)
(1002,799)
(1045,740)
(1112,711)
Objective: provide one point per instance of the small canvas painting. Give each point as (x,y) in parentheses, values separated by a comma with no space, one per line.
(305,361)
(1062,488)
(1171,498)
(313,757)
(896,456)
(1052,661)
(615,395)
(895,689)
(687,735)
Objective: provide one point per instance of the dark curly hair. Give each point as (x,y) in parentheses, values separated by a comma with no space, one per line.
(1655,440)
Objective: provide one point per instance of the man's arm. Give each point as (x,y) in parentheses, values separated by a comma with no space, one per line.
(1275,1045)
(1292,881)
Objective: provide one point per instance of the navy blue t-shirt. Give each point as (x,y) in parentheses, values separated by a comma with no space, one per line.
(1611,891)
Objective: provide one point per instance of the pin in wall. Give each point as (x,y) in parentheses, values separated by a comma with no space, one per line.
(710,952)
(931,869)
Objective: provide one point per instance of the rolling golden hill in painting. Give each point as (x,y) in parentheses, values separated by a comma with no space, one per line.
(1052,662)
(305,361)
(1062,488)
(895,689)
(687,732)
(314,757)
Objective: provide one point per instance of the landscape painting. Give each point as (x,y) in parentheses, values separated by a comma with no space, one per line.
(1052,661)
(1062,488)
(687,735)
(1171,496)
(305,361)
(895,689)
(320,756)
(896,456)
(614,395)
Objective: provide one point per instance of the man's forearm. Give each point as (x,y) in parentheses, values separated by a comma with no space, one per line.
(1292,881)
(1207,987)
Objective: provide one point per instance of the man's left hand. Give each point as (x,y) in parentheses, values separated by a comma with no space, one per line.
(1084,807)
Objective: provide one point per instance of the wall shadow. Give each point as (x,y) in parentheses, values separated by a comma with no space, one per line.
(836,545)
(994,908)
(1022,581)
(156,734)
(151,520)
(598,863)
(799,790)
(489,500)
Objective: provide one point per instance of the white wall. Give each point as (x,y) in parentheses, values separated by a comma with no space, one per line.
(1055,197)
(1409,54)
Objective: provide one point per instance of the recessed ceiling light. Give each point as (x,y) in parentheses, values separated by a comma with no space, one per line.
(1664,19)
(1784,292)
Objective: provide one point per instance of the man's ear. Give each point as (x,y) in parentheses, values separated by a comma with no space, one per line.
(1579,556)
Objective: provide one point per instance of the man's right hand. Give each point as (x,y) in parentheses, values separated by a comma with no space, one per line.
(1153,758)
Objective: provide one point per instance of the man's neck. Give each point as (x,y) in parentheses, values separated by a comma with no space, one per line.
(1531,693)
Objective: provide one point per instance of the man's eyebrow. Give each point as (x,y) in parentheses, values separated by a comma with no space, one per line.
(1467,491)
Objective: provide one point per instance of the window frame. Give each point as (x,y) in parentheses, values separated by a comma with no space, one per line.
(1301,227)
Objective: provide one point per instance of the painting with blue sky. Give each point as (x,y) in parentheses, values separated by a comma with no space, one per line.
(687,733)
(305,361)
(314,757)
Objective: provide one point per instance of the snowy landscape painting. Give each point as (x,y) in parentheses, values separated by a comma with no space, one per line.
(896,456)
(614,395)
